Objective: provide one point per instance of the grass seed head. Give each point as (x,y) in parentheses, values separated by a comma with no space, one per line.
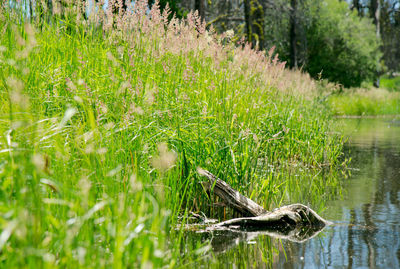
(165,159)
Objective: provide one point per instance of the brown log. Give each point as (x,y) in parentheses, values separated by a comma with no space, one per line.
(284,218)
(231,196)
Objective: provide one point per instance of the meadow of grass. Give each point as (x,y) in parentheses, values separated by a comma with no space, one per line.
(365,102)
(104,121)
(391,83)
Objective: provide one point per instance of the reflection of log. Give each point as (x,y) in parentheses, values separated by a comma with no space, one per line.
(223,238)
(285,218)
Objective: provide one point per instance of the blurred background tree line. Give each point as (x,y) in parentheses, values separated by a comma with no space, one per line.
(347,42)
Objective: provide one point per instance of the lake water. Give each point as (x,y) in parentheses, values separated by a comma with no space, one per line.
(366,229)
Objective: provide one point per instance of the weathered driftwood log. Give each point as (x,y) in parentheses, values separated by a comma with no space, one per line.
(284,218)
(281,218)
(231,196)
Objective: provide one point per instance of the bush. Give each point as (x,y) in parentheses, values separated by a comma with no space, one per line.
(341,46)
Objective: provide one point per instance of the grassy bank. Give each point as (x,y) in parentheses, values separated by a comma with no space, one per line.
(391,83)
(365,102)
(104,123)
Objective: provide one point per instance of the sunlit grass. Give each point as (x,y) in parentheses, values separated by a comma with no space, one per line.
(392,84)
(103,129)
(365,102)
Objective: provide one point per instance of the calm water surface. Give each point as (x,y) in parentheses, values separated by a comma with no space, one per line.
(366,233)
(366,229)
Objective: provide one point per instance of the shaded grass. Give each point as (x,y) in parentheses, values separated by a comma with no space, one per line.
(103,131)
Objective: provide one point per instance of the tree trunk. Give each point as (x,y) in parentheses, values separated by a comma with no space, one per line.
(254,18)
(257,14)
(199,6)
(31,9)
(357,6)
(375,12)
(293,34)
(248,20)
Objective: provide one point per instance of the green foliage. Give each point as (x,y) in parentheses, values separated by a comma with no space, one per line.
(341,46)
(332,41)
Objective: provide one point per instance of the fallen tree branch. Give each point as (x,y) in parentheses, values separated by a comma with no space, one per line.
(285,218)
(231,196)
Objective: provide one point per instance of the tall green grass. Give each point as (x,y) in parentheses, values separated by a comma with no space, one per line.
(104,122)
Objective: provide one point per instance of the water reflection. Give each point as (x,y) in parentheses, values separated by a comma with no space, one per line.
(367,229)
(224,238)
(234,249)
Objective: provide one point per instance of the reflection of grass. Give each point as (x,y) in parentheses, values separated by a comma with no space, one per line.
(365,132)
(374,146)
(232,250)
(365,102)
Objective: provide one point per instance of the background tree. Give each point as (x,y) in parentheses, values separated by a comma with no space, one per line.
(341,46)
(390,34)
(254,18)
(293,34)
(295,28)
(357,6)
(375,12)
(385,14)
(199,5)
